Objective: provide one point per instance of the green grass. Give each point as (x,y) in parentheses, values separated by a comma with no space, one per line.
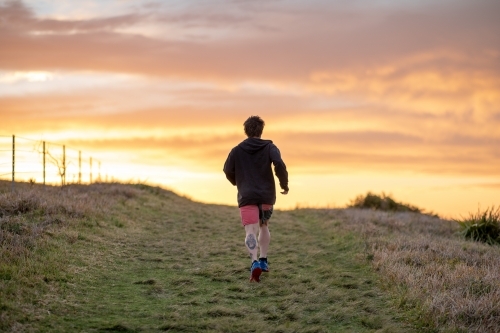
(140,259)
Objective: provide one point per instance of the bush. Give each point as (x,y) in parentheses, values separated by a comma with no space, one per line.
(382,202)
(482,226)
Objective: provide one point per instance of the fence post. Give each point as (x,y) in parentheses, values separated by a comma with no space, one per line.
(13,161)
(91,170)
(64,166)
(99,171)
(79,167)
(43,162)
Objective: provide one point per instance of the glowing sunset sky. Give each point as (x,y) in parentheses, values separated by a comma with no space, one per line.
(383,95)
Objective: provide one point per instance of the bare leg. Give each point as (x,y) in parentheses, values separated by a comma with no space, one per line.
(251,231)
(264,239)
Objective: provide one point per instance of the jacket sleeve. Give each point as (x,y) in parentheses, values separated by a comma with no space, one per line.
(279,167)
(229,168)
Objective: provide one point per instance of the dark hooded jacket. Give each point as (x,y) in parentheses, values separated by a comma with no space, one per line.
(248,166)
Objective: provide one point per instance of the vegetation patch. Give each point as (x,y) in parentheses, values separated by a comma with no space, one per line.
(482,226)
(382,202)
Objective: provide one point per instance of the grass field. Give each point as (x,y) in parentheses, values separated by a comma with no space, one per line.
(135,258)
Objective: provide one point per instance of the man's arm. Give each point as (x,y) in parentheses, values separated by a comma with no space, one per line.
(279,168)
(229,168)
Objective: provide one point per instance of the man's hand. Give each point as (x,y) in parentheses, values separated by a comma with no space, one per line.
(284,192)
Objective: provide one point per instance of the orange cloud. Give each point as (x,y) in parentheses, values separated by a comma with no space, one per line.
(302,42)
(387,89)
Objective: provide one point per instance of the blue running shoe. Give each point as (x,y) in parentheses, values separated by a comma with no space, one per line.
(256,271)
(264,265)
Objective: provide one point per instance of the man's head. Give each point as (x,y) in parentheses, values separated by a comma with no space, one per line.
(254,126)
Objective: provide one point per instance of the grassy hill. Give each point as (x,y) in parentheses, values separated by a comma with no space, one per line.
(135,258)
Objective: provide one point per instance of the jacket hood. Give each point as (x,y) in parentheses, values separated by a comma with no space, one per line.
(253,145)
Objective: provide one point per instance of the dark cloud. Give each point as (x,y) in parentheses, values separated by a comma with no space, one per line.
(319,39)
(481,140)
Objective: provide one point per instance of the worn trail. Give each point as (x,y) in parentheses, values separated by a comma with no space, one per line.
(158,262)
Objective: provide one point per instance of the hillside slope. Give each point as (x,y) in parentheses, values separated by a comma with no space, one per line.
(114,257)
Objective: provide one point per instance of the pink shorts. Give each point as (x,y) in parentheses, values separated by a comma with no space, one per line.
(250,214)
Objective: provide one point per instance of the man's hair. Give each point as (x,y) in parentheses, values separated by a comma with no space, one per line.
(254,126)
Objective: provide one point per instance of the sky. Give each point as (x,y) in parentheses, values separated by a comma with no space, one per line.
(395,97)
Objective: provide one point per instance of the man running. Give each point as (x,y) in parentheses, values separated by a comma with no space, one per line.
(248,167)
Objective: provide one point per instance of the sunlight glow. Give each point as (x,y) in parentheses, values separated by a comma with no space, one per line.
(13,77)
(393,96)
(36,76)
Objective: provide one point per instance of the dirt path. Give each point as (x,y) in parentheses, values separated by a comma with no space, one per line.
(157,262)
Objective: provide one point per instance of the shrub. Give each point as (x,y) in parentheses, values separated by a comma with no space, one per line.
(482,226)
(381,202)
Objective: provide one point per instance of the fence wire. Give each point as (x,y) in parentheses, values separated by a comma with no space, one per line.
(36,161)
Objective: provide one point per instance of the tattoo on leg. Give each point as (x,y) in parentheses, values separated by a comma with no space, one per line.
(251,242)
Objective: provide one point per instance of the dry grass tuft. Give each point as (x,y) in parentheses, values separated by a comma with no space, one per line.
(25,214)
(33,211)
(452,283)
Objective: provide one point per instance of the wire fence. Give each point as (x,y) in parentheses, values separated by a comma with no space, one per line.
(42,162)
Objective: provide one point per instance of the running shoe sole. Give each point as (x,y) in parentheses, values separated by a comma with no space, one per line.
(256,274)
